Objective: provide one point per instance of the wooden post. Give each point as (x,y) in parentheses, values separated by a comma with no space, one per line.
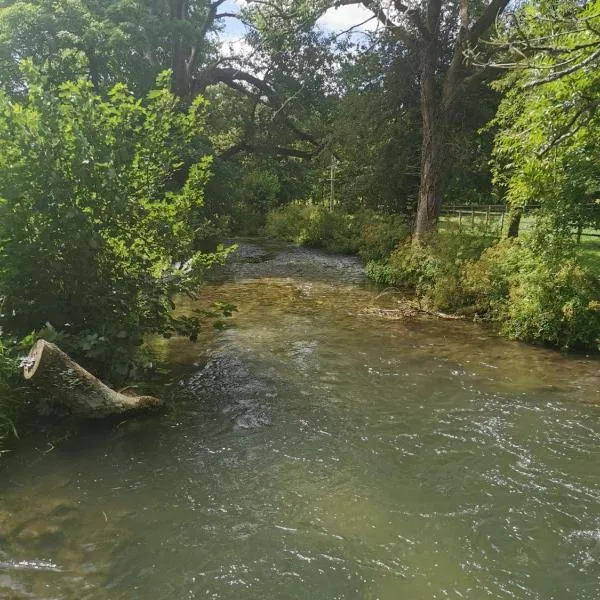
(472,216)
(332,184)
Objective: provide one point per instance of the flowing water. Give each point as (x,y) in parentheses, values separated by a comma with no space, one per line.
(316,450)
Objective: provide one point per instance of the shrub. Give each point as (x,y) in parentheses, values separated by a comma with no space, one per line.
(537,295)
(381,273)
(433,269)
(371,235)
(96,204)
(379,234)
(11,392)
(287,222)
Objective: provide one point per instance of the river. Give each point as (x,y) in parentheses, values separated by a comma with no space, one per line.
(318,449)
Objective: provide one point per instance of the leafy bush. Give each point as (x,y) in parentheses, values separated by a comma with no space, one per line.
(379,234)
(433,270)
(381,273)
(333,230)
(371,235)
(534,287)
(288,222)
(537,295)
(7,372)
(96,204)
(12,394)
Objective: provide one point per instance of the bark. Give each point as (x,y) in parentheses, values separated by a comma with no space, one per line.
(53,372)
(179,10)
(432,176)
(514,222)
(432,143)
(185,52)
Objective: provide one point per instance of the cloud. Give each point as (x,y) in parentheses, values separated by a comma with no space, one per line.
(239,53)
(345,17)
(235,48)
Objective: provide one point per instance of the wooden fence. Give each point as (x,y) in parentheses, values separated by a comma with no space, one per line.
(492,218)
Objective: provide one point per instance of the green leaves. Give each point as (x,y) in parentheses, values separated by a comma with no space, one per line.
(546,149)
(98,201)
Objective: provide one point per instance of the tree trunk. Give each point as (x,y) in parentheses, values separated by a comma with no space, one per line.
(431,184)
(181,84)
(53,372)
(514,222)
(432,146)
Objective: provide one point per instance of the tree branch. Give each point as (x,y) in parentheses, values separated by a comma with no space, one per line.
(487,19)
(275,150)
(558,74)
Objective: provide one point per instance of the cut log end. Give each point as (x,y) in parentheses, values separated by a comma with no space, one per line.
(56,374)
(33,359)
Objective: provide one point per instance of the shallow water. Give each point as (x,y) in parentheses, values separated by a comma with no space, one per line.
(314,450)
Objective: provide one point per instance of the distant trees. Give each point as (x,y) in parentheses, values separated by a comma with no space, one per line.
(433,37)
(440,32)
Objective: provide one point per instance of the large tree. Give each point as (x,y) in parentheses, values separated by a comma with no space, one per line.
(440,36)
(442,32)
(111,41)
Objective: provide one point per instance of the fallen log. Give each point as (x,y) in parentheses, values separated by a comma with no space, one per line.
(408,311)
(54,372)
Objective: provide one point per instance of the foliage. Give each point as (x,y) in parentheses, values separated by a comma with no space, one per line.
(376,134)
(537,292)
(107,41)
(96,199)
(367,233)
(534,287)
(548,126)
(375,131)
(10,389)
(432,269)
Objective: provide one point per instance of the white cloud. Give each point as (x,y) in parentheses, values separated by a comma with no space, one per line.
(345,17)
(235,48)
(240,54)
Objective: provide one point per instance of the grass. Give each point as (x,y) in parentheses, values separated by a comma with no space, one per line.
(590,244)
(590,252)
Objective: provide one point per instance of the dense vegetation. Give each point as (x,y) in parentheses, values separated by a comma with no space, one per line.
(133,141)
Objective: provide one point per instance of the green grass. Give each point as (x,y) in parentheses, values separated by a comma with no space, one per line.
(590,245)
(590,252)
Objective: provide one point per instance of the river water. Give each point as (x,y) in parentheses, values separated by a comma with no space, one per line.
(319,449)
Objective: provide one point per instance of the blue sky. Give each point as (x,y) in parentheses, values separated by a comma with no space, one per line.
(233,28)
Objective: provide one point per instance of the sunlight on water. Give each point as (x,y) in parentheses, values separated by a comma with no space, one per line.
(317,451)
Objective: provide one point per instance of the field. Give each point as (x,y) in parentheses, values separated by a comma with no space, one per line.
(493,221)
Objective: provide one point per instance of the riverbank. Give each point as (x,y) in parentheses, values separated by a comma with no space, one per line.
(538,288)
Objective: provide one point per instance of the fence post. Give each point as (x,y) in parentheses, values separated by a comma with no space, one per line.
(472,216)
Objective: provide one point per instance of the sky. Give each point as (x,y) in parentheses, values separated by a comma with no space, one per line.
(334,20)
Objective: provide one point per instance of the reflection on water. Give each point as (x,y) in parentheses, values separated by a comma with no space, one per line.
(318,452)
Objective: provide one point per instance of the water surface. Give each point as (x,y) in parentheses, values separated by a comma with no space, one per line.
(315,450)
